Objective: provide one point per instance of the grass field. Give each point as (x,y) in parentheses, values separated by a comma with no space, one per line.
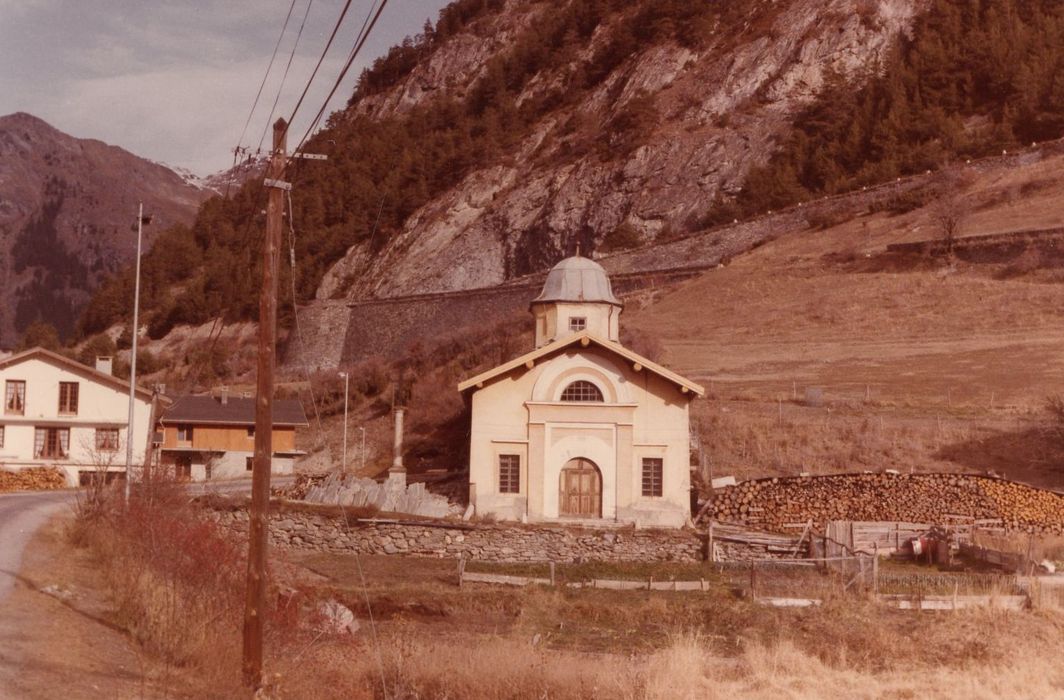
(822,354)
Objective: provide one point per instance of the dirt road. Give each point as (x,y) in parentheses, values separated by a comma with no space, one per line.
(21,514)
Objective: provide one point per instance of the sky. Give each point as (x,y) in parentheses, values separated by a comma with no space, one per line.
(173,81)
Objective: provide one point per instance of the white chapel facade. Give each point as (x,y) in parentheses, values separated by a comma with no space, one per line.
(581,428)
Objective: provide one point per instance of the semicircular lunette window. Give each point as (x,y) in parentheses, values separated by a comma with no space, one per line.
(582,392)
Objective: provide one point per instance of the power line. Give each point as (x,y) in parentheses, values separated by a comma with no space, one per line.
(363,36)
(328,44)
(284,77)
(267,75)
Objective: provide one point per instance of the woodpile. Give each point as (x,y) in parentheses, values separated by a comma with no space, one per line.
(32,479)
(928,498)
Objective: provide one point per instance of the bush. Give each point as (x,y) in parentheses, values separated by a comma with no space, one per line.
(622,237)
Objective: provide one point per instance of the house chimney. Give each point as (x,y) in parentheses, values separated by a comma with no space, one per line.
(397,472)
(105,364)
(223,395)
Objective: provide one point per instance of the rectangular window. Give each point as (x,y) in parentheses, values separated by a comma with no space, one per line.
(1,436)
(652,473)
(51,443)
(249,463)
(251,432)
(107,439)
(184,433)
(577,323)
(15,397)
(68,398)
(509,474)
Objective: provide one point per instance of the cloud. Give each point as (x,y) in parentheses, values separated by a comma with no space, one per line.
(184,116)
(174,81)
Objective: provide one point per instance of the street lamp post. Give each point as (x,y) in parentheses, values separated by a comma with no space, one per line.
(141,220)
(347,381)
(362,461)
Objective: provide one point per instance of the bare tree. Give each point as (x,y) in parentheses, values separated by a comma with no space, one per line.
(950,209)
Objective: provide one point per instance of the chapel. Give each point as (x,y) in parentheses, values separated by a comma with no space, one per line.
(580,429)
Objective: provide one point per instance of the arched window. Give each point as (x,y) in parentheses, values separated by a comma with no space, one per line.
(582,391)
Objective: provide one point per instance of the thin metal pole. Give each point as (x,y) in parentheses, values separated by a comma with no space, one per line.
(260,476)
(347,380)
(133,355)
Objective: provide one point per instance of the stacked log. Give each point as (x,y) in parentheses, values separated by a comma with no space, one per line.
(32,479)
(929,498)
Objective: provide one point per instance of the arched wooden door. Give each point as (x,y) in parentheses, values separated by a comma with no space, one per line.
(580,490)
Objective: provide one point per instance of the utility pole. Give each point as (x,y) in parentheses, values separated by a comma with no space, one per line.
(133,353)
(260,476)
(347,380)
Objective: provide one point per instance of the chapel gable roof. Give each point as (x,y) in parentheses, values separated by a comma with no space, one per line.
(584,339)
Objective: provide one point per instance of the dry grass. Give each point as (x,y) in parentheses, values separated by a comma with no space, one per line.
(686,667)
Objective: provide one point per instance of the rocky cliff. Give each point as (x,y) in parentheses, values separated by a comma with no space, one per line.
(657,140)
(66,206)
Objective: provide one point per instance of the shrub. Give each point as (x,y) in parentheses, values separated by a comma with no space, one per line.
(622,237)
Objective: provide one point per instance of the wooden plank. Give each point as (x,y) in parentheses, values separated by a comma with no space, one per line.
(477,577)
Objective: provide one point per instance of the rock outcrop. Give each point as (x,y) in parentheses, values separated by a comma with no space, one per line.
(720,111)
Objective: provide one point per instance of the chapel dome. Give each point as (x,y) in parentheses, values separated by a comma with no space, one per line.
(577,279)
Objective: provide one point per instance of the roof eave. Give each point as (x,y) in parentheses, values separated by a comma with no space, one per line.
(479,380)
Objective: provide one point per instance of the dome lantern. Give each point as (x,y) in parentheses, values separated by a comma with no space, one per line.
(576,297)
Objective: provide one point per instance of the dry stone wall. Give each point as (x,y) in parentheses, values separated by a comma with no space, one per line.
(928,498)
(486,542)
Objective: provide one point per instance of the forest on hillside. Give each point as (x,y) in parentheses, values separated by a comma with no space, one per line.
(974,76)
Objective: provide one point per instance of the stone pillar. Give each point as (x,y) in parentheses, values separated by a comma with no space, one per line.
(397,472)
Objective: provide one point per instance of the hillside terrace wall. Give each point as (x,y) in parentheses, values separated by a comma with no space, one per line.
(390,327)
(340,332)
(1012,241)
(326,532)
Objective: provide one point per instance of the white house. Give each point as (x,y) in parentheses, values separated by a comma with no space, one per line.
(58,412)
(580,428)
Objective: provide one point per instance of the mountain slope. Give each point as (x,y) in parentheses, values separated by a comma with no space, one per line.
(66,206)
(514,130)
(674,122)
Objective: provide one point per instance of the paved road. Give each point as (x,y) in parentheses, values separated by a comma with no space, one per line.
(22,513)
(20,516)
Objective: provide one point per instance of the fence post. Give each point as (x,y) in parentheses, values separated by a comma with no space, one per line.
(552,575)
(753,580)
(875,569)
(461,570)
(710,554)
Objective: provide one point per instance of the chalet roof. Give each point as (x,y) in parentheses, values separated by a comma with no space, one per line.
(74,366)
(585,339)
(235,411)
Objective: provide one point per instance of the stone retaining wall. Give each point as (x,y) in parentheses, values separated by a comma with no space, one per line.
(485,542)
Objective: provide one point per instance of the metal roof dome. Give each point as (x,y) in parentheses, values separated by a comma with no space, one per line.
(577,279)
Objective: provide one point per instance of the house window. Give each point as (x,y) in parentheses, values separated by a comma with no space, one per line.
(51,443)
(251,432)
(249,463)
(68,398)
(577,323)
(583,392)
(15,397)
(107,439)
(509,474)
(1,436)
(184,433)
(652,473)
